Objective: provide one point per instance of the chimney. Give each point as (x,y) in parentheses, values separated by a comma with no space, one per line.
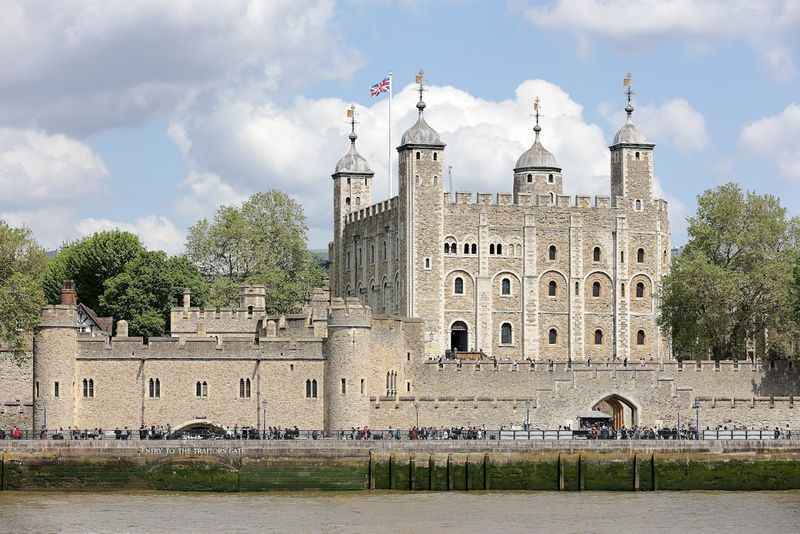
(187,299)
(69,297)
(122,328)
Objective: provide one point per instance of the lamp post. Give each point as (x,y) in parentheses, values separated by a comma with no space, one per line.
(416,409)
(696,407)
(263,418)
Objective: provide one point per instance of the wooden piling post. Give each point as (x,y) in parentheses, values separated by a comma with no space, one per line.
(466,473)
(635,473)
(431,470)
(450,477)
(371,472)
(581,474)
(485,471)
(412,473)
(559,474)
(391,471)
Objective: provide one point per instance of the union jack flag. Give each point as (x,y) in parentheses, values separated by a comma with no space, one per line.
(380,87)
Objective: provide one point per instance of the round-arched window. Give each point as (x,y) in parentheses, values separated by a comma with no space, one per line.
(640,290)
(596,289)
(598,337)
(505,286)
(640,337)
(458,286)
(506,334)
(551,252)
(596,254)
(552,287)
(640,255)
(552,336)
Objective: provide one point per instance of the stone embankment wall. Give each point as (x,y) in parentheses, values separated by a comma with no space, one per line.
(408,466)
(16,391)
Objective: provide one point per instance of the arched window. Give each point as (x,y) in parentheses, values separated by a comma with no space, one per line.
(640,255)
(435,156)
(198,389)
(247,388)
(158,388)
(552,198)
(551,252)
(474,248)
(85,388)
(205,389)
(596,289)
(640,290)
(552,287)
(638,205)
(550,178)
(530,178)
(308,389)
(623,290)
(151,388)
(347,202)
(56,391)
(637,155)
(418,155)
(640,337)
(466,248)
(491,248)
(314,389)
(505,286)
(91,387)
(552,336)
(505,334)
(499,249)
(458,286)
(596,254)
(241,388)
(447,248)
(598,337)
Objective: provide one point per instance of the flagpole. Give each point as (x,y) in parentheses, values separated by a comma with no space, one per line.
(389,151)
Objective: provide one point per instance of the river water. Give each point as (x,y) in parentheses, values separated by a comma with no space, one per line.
(695,512)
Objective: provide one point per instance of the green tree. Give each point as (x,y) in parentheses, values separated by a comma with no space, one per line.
(732,282)
(147,288)
(263,242)
(22,262)
(90,262)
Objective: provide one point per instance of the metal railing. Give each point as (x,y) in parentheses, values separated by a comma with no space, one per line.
(423,434)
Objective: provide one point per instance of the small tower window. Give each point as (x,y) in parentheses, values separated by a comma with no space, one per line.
(530,178)
(466,248)
(308,389)
(598,337)
(435,156)
(499,249)
(427,264)
(552,288)
(596,289)
(550,179)
(474,248)
(552,336)
(347,202)
(505,334)
(640,337)
(637,155)
(344,386)
(623,290)
(638,205)
(640,290)
(491,248)
(551,252)
(458,286)
(505,286)
(577,289)
(418,155)
(640,255)
(55,390)
(596,254)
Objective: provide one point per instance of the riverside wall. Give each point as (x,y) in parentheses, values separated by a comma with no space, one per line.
(408,466)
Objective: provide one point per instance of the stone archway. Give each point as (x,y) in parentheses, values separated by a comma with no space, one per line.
(199,428)
(623,412)
(459,336)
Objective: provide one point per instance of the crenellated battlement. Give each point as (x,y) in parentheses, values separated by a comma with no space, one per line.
(530,200)
(372,210)
(349,312)
(58,315)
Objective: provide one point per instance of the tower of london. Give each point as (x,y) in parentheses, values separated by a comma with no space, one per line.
(443,309)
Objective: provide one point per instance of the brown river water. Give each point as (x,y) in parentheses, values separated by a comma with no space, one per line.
(618,513)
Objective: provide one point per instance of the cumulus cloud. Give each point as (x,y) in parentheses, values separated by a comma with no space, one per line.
(768,26)
(156,232)
(242,146)
(83,66)
(674,120)
(776,137)
(39,167)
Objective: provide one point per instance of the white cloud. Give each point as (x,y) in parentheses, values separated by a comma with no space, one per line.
(205,192)
(242,146)
(776,137)
(36,167)
(83,66)
(156,232)
(674,120)
(767,25)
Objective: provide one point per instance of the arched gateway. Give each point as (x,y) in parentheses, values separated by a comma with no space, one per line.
(623,412)
(198,428)
(459,336)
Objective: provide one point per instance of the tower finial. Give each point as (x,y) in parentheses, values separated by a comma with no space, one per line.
(628,83)
(421,82)
(536,128)
(351,115)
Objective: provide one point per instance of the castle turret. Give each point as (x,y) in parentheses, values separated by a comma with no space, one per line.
(55,346)
(537,172)
(421,218)
(347,366)
(253,298)
(631,163)
(352,189)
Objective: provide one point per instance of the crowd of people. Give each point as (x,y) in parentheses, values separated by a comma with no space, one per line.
(415,433)
(688,432)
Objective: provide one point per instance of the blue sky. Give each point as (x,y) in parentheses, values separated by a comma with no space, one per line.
(147,116)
